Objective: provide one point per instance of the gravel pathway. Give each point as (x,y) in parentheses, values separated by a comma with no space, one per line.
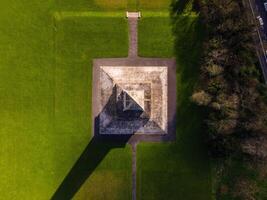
(133,171)
(133,37)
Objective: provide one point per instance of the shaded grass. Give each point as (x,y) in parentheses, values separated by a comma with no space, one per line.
(111,179)
(155,36)
(170,174)
(179,170)
(45,98)
(156,5)
(79,40)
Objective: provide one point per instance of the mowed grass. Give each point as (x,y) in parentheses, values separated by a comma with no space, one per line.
(156,5)
(113,5)
(45,99)
(96,5)
(178,170)
(79,40)
(27,153)
(155,35)
(111,180)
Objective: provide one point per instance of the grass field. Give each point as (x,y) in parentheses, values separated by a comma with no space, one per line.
(78,41)
(111,179)
(45,97)
(156,5)
(178,170)
(114,5)
(160,42)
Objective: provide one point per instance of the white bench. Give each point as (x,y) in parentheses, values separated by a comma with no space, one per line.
(133,14)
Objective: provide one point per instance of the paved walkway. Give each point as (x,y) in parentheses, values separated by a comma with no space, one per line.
(134,172)
(133,37)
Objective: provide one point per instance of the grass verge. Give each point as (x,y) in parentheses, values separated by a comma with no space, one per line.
(178,170)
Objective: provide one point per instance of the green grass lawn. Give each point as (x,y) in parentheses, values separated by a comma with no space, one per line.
(156,5)
(45,97)
(95,5)
(78,41)
(113,5)
(178,170)
(45,115)
(111,179)
(155,35)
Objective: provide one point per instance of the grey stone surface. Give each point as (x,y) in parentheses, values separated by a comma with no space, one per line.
(120,72)
(133,100)
(138,92)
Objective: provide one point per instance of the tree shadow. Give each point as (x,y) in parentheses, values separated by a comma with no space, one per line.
(179,6)
(189,32)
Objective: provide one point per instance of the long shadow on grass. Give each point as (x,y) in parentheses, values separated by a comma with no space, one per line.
(93,154)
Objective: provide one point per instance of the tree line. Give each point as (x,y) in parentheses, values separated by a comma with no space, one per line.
(230,87)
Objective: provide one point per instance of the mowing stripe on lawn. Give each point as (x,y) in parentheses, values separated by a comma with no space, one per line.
(166,14)
(71,14)
(155,14)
